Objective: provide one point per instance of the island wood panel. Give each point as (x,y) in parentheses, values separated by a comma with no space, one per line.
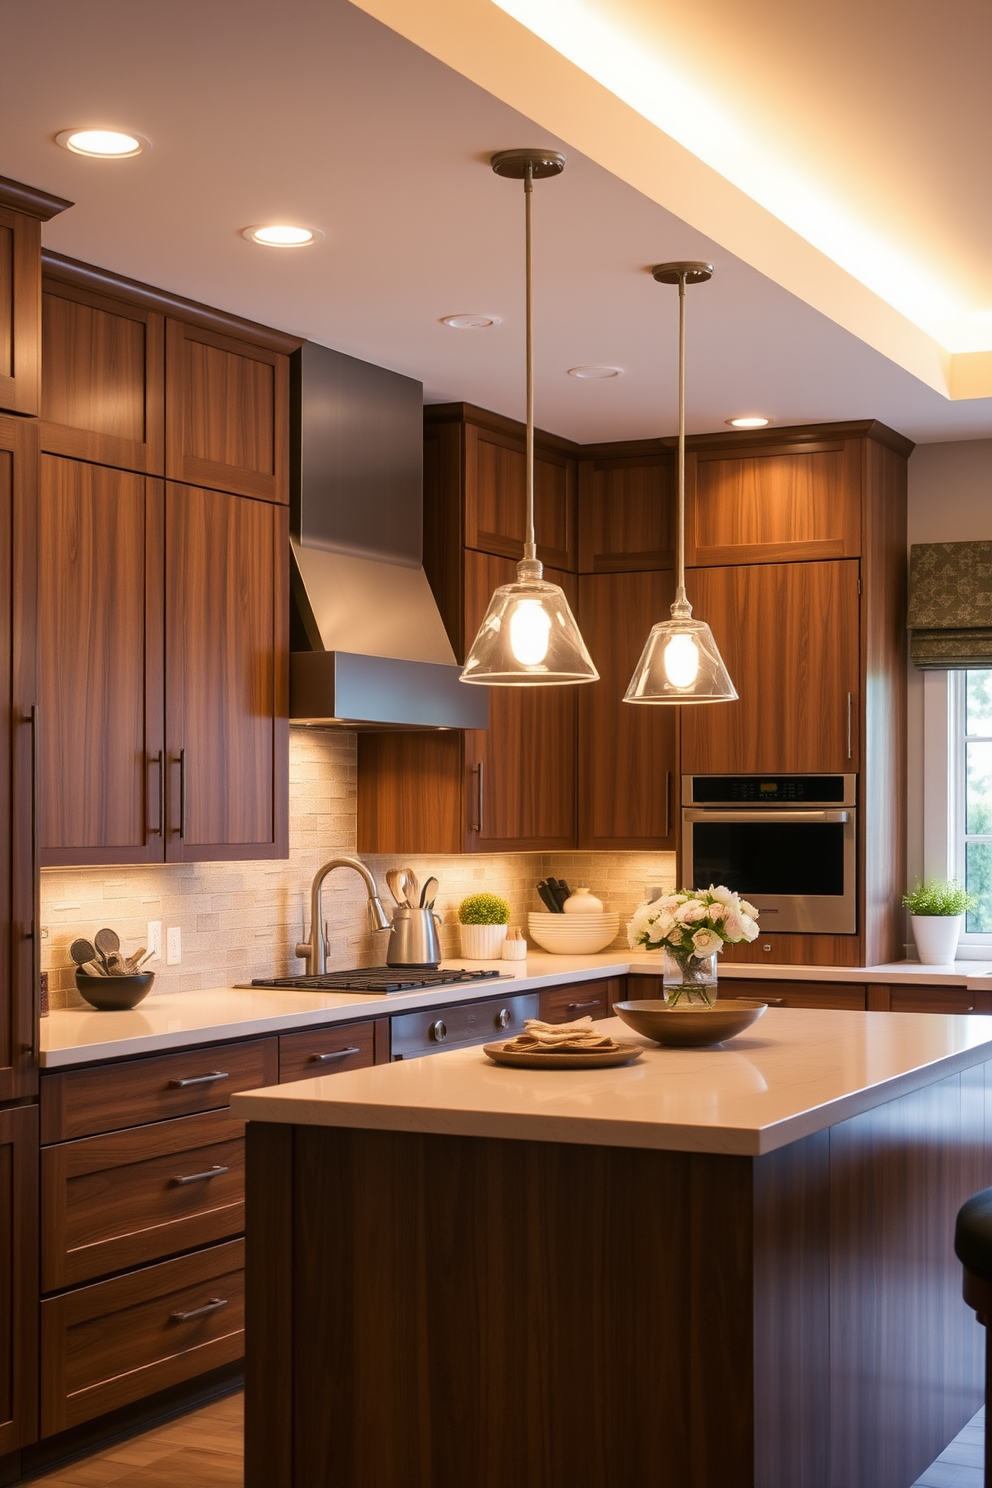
(103,395)
(106,1345)
(19,739)
(227,413)
(102,657)
(20,312)
(496,496)
(627,753)
(226,628)
(270,1333)
(789,635)
(626,513)
(759,505)
(18,1277)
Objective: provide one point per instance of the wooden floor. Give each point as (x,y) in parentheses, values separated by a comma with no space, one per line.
(201,1450)
(204,1450)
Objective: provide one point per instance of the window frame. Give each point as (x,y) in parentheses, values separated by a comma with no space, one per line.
(957,832)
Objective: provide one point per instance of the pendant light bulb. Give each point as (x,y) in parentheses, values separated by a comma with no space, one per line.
(529,636)
(681,661)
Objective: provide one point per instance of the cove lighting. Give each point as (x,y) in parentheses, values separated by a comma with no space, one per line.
(280,235)
(106,144)
(469,322)
(754,422)
(593,374)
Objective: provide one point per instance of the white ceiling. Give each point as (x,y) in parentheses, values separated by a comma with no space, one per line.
(312,111)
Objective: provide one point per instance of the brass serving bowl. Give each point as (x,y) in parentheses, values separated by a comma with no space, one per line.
(689,1028)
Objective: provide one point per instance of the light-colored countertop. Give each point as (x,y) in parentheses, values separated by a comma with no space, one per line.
(795,1072)
(72,1036)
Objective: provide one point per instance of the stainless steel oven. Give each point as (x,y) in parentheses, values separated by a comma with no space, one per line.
(788,843)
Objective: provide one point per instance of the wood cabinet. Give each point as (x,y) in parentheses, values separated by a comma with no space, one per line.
(626,509)
(900,998)
(581,1000)
(22,211)
(18,1277)
(325,1051)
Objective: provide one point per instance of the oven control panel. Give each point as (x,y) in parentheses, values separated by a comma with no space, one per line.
(768,790)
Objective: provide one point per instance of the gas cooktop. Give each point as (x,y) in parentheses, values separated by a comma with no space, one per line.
(379,979)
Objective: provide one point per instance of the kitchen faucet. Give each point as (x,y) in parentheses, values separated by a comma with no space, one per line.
(314,950)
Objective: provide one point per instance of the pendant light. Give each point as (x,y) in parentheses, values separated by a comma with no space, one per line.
(529,637)
(680,662)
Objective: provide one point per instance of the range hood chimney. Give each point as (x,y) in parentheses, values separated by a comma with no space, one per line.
(370,650)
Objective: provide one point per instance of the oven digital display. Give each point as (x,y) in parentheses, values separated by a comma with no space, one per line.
(794,858)
(727,790)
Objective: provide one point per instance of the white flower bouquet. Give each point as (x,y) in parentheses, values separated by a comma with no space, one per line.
(691,927)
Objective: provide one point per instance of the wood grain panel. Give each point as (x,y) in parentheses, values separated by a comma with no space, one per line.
(627,756)
(112,1202)
(269,1282)
(626,514)
(495,498)
(85,1102)
(101,642)
(20,312)
(6,297)
(324,1051)
(840,995)
(226,623)
(106,1345)
(759,505)
(903,999)
(103,394)
(18,1277)
(580,1000)
(411,792)
(227,413)
(789,635)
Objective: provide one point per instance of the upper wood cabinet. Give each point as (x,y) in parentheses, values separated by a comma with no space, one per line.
(227,413)
(22,211)
(789,634)
(626,511)
(103,392)
(627,754)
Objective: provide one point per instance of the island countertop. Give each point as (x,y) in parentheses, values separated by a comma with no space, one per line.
(795,1072)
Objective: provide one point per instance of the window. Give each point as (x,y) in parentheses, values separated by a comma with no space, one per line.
(970,794)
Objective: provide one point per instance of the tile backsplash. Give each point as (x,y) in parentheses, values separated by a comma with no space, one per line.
(242,920)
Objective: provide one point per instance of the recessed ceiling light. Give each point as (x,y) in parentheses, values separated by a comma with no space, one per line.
(749,423)
(106,144)
(469,322)
(281,235)
(594,374)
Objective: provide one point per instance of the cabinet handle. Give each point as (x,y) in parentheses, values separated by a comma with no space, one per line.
(576,1007)
(159,759)
(34,933)
(182,794)
(480,805)
(334,1054)
(199,1080)
(849,725)
(214,1305)
(668,802)
(215,1172)
(773,1001)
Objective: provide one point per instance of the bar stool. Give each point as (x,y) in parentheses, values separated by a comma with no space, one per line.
(973,1247)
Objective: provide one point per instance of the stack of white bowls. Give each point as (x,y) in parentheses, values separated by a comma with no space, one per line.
(573,934)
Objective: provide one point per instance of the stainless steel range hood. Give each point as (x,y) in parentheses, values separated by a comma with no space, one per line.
(370,650)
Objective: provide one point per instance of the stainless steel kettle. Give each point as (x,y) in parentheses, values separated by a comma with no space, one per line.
(413,939)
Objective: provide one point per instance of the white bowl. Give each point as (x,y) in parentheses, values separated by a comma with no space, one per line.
(574,937)
(597,918)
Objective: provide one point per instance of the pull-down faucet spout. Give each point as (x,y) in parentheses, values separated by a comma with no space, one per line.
(314,950)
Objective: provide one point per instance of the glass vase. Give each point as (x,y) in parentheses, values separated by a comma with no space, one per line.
(689,981)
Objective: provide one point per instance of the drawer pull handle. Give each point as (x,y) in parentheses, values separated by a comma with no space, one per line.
(773,1001)
(576,1007)
(199,1080)
(214,1172)
(334,1054)
(214,1305)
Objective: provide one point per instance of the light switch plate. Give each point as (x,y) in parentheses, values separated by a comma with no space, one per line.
(153,939)
(173,946)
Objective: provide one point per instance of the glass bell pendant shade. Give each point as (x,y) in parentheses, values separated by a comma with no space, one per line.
(680,664)
(528,637)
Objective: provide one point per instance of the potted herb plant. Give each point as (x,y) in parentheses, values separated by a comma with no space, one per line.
(937,909)
(483,919)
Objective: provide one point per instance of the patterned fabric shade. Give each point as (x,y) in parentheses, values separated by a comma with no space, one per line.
(950,605)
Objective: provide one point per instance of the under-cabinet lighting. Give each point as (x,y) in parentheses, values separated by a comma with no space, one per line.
(281,235)
(107,144)
(750,422)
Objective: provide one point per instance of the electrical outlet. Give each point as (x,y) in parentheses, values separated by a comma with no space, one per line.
(173,946)
(153,939)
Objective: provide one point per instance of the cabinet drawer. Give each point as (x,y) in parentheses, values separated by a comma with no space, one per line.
(931,1000)
(106,1345)
(121,1200)
(81,1103)
(580,1000)
(325,1051)
(460,1024)
(798,994)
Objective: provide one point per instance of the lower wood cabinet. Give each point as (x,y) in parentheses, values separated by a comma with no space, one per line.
(811,994)
(325,1051)
(903,999)
(18,1277)
(581,1000)
(108,1345)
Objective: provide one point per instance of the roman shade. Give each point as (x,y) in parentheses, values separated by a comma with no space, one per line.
(950,605)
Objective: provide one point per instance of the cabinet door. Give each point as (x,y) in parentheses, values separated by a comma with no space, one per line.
(103,394)
(761,506)
(19,737)
(626,514)
(627,753)
(789,634)
(496,493)
(521,772)
(18,1278)
(20,312)
(226,626)
(227,413)
(100,637)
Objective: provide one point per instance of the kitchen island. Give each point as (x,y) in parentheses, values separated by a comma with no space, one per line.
(725,1268)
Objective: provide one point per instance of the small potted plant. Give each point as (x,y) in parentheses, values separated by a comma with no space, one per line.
(937,910)
(483,919)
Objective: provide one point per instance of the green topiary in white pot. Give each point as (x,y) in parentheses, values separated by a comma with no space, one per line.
(483,919)
(937,909)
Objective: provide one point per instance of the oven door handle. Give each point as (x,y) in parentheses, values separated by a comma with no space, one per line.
(768,815)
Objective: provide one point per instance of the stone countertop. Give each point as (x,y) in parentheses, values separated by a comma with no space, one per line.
(72,1036)
(793,1073)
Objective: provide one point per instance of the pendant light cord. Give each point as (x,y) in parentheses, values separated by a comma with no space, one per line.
(681,607)
(530,546)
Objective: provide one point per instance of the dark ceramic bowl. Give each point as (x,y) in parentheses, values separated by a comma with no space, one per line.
(680,1028)
(114,994)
